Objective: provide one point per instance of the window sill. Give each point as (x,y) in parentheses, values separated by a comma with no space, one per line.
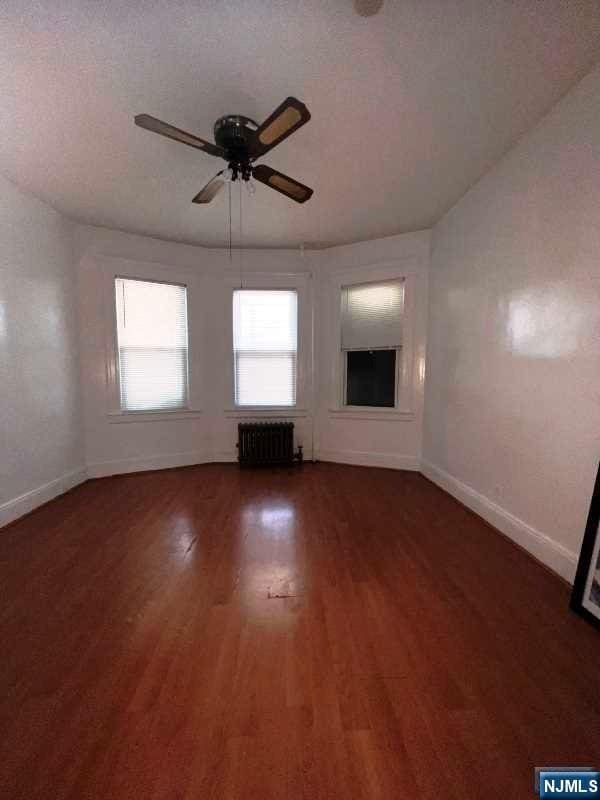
(382,414)
(273,412)
(178,415)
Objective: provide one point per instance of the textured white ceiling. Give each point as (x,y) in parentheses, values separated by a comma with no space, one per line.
(410,106)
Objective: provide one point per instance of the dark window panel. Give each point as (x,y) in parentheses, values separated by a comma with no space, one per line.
(371,378)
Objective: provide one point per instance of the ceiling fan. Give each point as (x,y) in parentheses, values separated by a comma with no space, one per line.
(240,141)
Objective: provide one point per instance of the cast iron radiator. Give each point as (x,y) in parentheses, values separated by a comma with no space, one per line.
(265,443)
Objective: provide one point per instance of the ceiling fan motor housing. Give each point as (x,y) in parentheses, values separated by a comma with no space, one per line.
(235,133)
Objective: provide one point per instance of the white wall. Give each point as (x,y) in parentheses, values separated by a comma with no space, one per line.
(129,442)
(512,423)
(41,443)
(372,438)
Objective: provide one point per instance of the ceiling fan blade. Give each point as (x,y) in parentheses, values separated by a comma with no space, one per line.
(286,119)
(164,129)
(282,183)
(212,188)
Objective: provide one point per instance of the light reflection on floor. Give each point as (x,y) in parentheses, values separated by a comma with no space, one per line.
(276,519)
(269,560)
(183,537)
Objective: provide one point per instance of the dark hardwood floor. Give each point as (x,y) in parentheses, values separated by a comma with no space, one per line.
(331,632)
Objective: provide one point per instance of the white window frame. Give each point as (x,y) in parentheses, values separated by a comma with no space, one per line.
(300,283)
(156,273)
(405,355)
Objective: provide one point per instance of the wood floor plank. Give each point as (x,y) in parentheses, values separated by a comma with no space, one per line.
(324,632)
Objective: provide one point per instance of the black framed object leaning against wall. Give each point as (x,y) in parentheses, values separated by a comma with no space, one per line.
(585,599)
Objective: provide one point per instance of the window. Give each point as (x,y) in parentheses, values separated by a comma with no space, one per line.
(371,378)
(152,343)
(371,342)
(265,347)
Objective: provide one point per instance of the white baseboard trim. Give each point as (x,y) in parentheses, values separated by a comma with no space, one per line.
(554,555)
(19,506)
(369,459)
(102,469)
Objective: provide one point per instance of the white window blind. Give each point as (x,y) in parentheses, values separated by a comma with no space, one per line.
(265,345)
(153,344)
(372,315)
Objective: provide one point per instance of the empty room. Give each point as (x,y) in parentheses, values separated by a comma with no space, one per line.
(299,399)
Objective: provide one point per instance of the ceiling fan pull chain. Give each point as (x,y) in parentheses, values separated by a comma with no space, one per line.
(240,245)
(229,189)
